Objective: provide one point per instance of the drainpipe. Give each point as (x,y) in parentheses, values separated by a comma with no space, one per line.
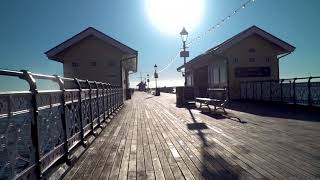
(286,54)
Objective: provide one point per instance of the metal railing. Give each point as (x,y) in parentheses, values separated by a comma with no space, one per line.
(40,128)
(304,91)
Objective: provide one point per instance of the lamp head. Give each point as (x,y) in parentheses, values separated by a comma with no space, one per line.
(184,34)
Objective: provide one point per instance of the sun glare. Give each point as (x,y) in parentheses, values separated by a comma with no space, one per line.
(169,16)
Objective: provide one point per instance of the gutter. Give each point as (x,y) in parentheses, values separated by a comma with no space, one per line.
(284,55)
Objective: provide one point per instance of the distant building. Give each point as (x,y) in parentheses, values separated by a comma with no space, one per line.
(142,86)
(95,56)
(252,55)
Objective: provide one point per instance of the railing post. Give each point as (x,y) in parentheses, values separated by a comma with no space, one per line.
(64,118)
(240,90)
(115,98)
(118,97)
(98,108)
(108,99)
(246,90)
(270,89)
(261,90)
(112,98)
(34,123)
(294,91)
(90,102)
(281,90)
(122,96)
(103,101)
(106,108)
(84,143)
(252,90)
(309,92)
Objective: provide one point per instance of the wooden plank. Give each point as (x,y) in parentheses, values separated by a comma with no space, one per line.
(109,156)
(234,132)
(84,162)
(152,139)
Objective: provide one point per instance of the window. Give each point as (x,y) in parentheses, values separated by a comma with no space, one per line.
(93,63)
(74,64)
(252,50)
(252,59)
(217,75)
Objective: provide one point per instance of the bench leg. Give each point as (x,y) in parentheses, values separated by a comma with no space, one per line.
(201,107)
(209,108)
(225,112)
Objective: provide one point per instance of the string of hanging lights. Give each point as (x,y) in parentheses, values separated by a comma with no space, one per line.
(212,28)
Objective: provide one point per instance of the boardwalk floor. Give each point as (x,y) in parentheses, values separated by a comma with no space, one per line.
(152,139)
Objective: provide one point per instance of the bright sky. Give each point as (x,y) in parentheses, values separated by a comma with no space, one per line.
(29,28)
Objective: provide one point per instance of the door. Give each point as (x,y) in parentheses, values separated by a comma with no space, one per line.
(201,81)
(218,75)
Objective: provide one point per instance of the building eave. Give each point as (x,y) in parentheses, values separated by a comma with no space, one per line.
(52,53)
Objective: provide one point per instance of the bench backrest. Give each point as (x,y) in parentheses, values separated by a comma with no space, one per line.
(220,94)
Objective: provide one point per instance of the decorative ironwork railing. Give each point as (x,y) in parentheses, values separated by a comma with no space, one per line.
(40,128)
(305,91)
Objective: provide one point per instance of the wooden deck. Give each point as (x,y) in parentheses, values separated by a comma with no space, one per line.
(152,139)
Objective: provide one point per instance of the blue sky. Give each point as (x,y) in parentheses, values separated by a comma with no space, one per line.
(29,28)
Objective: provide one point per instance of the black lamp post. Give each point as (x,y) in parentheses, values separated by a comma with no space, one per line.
(156,77)
(148,81)
(184,53)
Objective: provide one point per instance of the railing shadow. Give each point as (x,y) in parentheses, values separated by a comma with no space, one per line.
(276,110)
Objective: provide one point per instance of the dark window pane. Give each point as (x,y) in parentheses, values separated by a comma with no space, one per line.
(252,50)
(93,63)
(75,64)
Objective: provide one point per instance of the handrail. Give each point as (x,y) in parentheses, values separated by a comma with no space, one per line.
(289,91)
(57,119)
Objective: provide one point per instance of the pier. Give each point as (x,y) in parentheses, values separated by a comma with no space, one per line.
(152,139)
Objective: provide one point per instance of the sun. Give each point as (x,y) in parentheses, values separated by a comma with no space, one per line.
(169,16)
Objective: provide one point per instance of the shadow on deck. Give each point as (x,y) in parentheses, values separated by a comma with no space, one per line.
(303,113)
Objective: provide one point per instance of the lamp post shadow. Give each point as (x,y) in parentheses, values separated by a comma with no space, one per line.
(213,166)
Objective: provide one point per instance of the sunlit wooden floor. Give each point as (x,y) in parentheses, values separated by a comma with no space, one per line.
(152,139)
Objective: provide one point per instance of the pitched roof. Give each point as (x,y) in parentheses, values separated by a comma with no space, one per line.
(248,32)
(85,33)
(141,84)
(217,50)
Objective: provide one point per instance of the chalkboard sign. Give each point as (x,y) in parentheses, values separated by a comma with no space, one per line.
(252,72)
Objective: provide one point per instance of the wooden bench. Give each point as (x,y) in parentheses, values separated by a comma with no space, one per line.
(217,98)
